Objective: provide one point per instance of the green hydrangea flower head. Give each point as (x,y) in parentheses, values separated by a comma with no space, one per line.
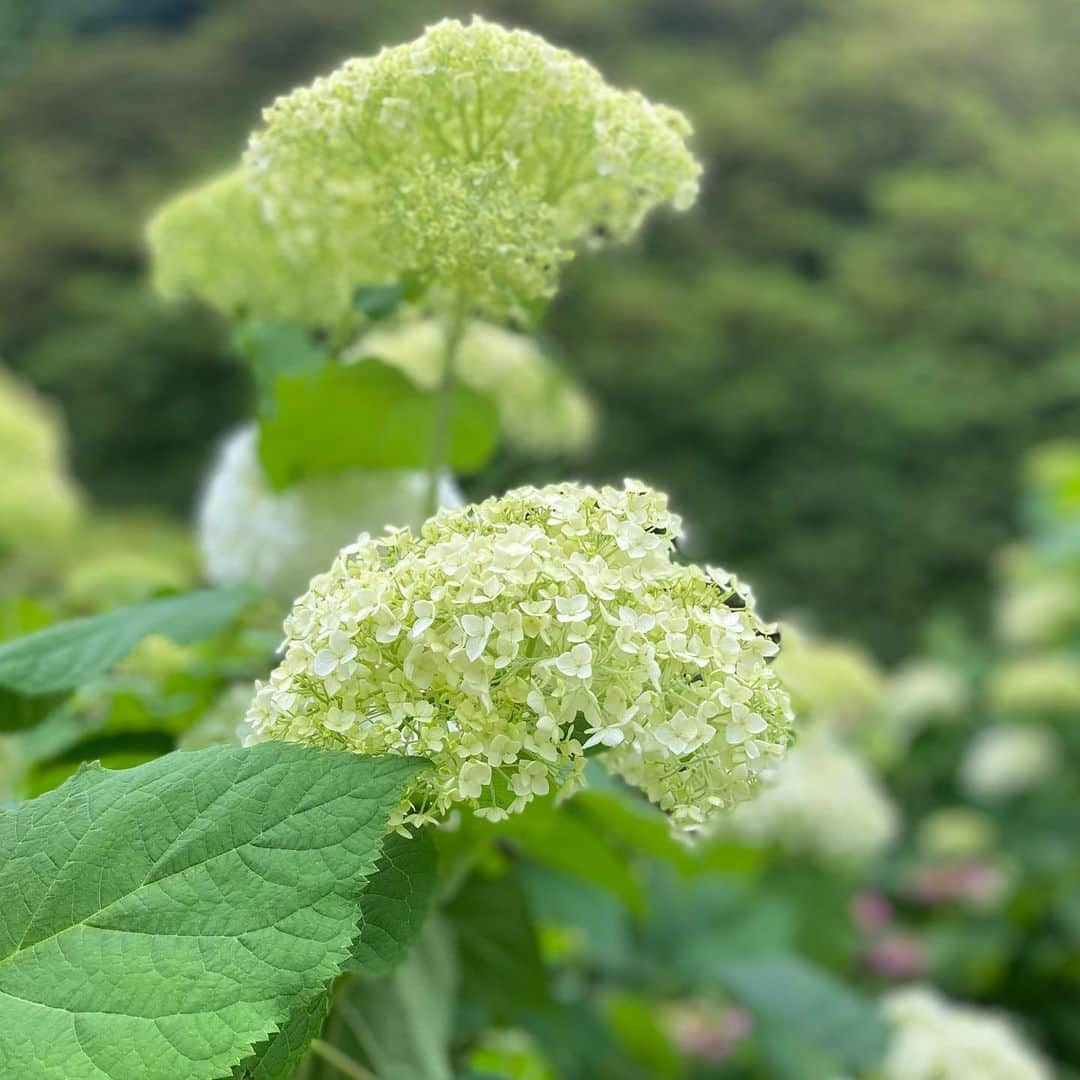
(479,159)
(214,243)
(510,639)
(541,410)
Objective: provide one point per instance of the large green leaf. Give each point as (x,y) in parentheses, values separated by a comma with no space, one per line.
(811,1005)
(281,1054)
(160,922)
(69,654)
(367,415)
(396,903)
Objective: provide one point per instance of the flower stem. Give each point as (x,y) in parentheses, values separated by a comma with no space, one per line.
(342,1062)
(440,439)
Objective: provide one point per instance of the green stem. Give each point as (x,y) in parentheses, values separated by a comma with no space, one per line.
(342,1062)
(440,440)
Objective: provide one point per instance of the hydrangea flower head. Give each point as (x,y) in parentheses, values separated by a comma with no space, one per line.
(509,639)
(276,540)
(214,243)
(540,409)
(475,157)
(937,1039)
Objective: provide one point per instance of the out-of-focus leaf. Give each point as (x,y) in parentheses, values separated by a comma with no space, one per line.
(811,1005)
(377,301)
(403,1023)
(397,899)
(698,926)
(276,347)
(556,837)
(499,953)
(634,1020)
(69,654)
(366,415)
(161,921)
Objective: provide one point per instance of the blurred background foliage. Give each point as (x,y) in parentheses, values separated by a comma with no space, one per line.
(833,364)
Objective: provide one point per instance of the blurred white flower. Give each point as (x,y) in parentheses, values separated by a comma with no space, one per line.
(276,540)
(926,691)
(823,801)
(937,1039)
(1007,760)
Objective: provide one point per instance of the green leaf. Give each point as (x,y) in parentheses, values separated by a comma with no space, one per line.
(500,955)
(811,1005)
(366,415)
(275,347)
(556,837)
(160,922)
(396,902)
(403,1024)
(69,654)
(377,301)
(281,1054)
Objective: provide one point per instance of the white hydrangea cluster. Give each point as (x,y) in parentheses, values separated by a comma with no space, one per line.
(1006,760)
(476,158)
(823,802)
(1040,612)
(926,691)
(937,1039)
(540,409)
(511,639)
(213,242)
(276,540)
(39,503)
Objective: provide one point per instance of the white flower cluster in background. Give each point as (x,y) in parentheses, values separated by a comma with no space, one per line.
(1006,760)
(823,802)
(475,158)
(937,1039)
(926,691)
(510,639)
(541,410)
(276,540)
